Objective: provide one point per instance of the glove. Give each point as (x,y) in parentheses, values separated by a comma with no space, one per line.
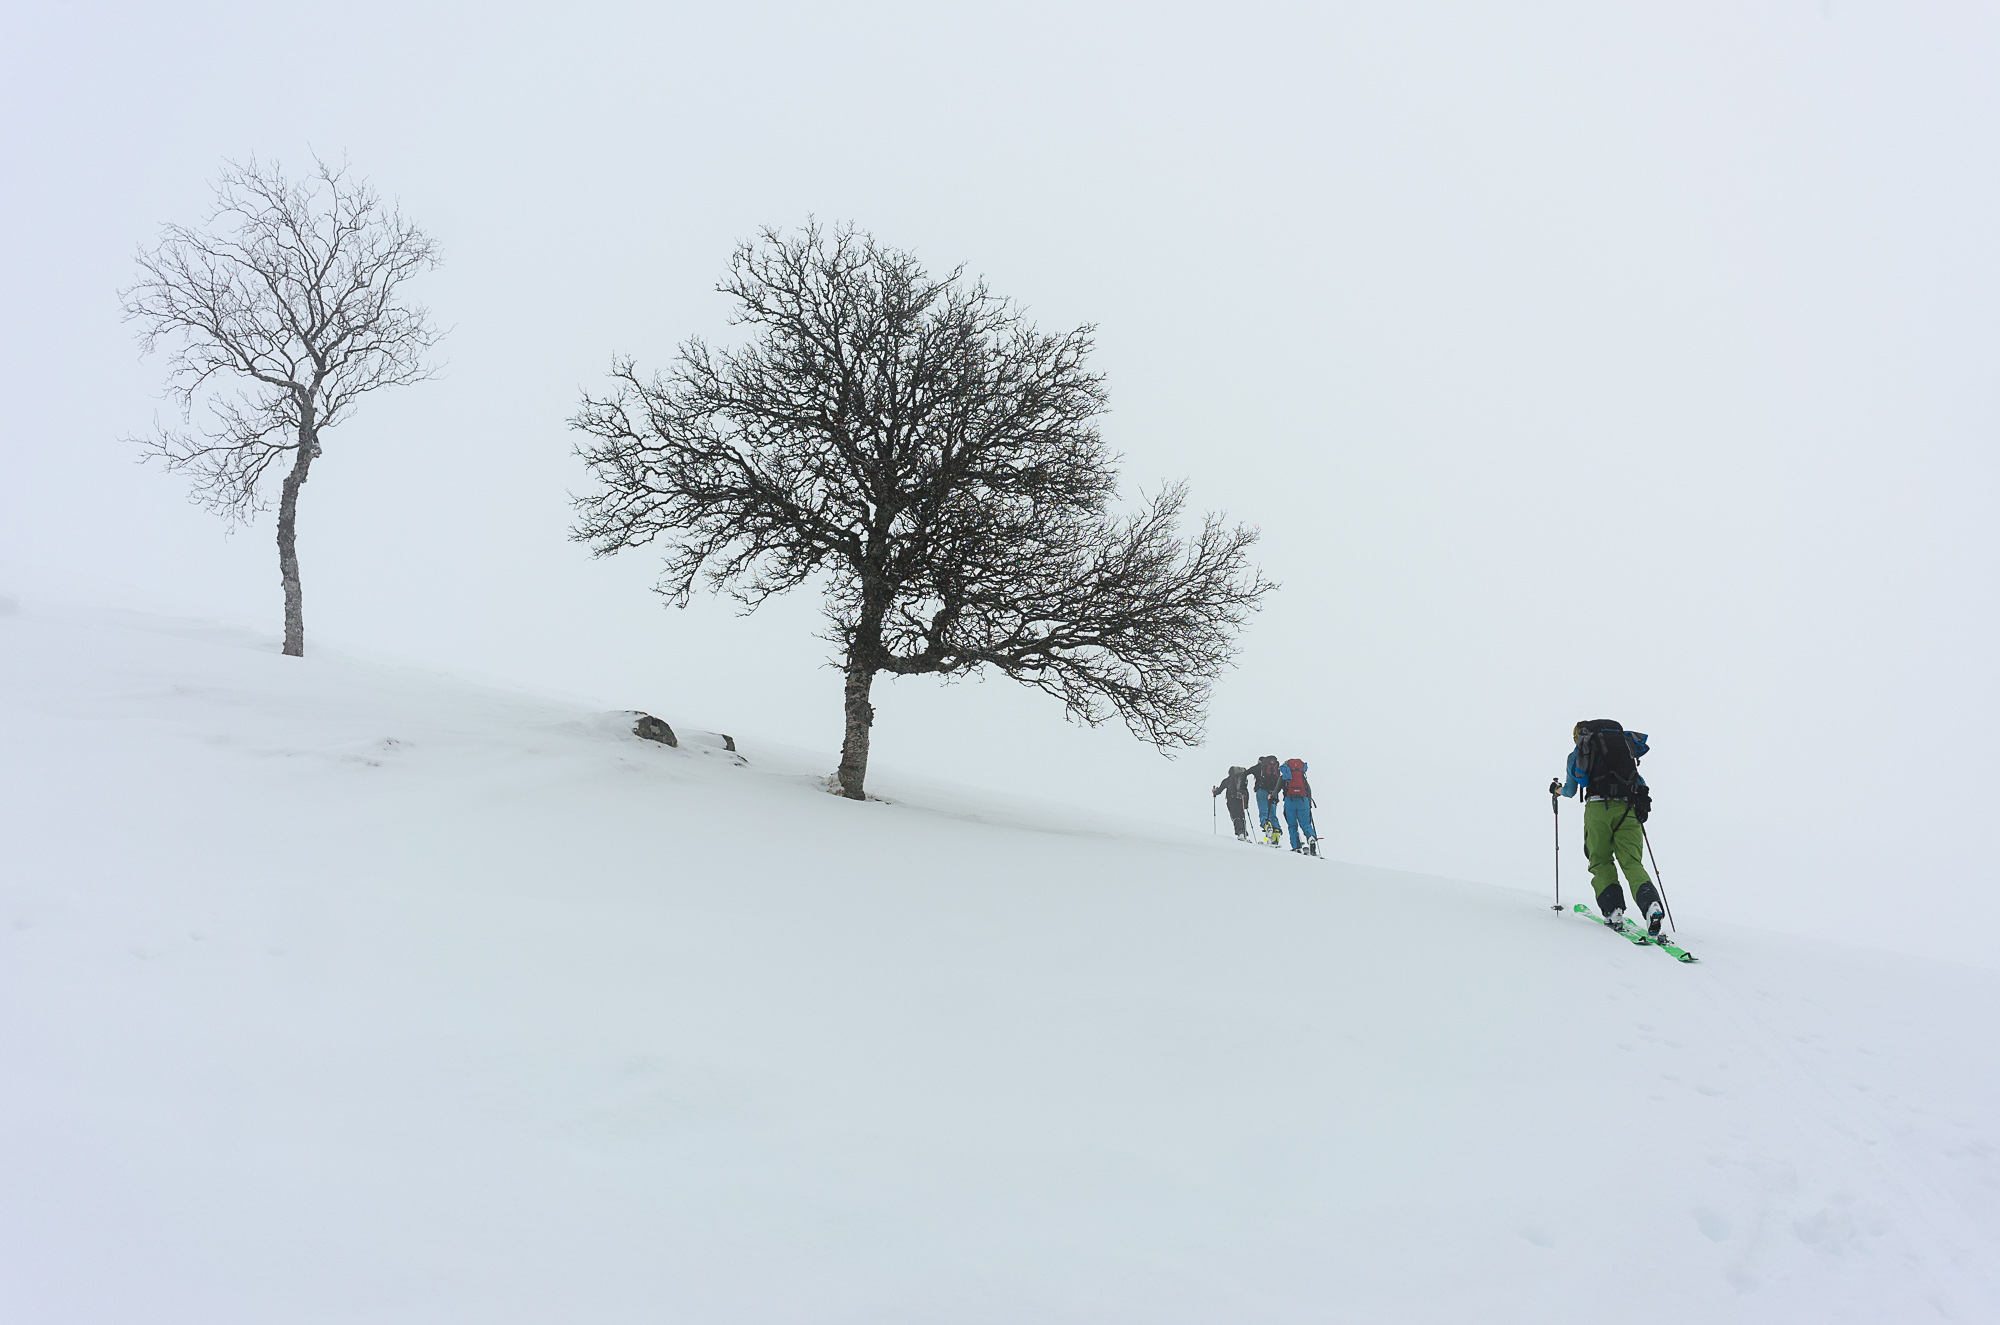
(1555,786)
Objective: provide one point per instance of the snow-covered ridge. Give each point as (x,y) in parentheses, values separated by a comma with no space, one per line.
(337,991)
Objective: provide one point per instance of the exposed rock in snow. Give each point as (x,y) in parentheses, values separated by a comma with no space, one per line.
(649,728)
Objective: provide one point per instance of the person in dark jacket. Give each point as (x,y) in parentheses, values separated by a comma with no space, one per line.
(1237,784)
(1604,768)
(1268,774)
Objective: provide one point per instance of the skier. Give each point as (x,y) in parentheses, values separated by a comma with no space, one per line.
(1268,775)
(1237,785)
(1604,765)
(1298,806)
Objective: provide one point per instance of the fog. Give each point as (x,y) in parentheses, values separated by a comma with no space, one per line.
(1575,362)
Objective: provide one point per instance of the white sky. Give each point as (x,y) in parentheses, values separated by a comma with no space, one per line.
(1576,360)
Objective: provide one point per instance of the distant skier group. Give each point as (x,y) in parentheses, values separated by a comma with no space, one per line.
(1273,781)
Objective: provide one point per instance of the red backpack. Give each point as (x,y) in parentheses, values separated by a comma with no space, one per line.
(1294,773)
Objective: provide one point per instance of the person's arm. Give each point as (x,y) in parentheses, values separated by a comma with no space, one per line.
(1574,779)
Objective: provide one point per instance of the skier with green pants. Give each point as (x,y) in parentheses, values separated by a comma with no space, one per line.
(1604,766)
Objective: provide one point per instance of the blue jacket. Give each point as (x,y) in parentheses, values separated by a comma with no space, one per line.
(1578,778)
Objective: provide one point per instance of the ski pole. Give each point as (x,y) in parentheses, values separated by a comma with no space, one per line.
(1212,829)
(1657,883)
(1555,809)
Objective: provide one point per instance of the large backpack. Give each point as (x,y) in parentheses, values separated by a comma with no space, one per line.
(1295,778)
(1267,773)
(1607,756)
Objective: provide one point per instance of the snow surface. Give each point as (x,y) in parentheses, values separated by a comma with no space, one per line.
(339,991)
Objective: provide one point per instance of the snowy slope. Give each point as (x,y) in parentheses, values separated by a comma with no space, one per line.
(331,991)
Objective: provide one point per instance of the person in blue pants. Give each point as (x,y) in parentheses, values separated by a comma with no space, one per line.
(1298,806)
(1267,772)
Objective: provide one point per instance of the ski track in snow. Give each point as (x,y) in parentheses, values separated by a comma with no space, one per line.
(339,991)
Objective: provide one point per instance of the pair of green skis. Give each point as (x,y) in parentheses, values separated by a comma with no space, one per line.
(1637,934)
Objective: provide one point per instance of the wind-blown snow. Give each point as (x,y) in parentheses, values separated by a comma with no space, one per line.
(333,991)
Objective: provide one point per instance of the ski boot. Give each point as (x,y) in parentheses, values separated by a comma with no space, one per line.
(1655,914)
(1616,919)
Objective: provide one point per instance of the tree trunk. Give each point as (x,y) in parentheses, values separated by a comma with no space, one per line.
(288,534)
(860,717)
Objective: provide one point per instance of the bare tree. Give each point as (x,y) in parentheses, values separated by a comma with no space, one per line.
(281,314)
(936,459)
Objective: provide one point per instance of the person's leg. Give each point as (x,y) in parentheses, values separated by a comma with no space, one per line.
(1236,816)
(1599,818)
(1628,843)
(1306,816)
(1267,812)
(1293,804)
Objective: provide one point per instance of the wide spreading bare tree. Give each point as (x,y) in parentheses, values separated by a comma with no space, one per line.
(280,313)
(935,460)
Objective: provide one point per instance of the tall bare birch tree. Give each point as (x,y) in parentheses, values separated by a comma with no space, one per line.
(912,443)
(279,314)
